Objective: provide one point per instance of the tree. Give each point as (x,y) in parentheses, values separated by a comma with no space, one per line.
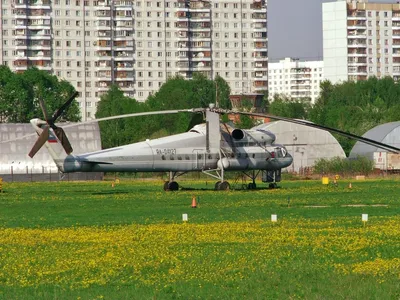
(223,92)
(288,107)
(121,131)
(356,107)
(20,94)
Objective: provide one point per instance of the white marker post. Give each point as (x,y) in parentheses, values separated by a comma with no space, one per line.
(274,218)
(184,218)
(364,218)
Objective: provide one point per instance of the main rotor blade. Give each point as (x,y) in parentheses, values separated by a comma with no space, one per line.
(59,111)
(43,137)
(309,124)
(192,110)
(62,137)
(44,110)
(148,113)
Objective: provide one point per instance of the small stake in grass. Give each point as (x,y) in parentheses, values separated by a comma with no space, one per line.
(364,218)
(350,186)
(274,218)
(185,217)
(113,184)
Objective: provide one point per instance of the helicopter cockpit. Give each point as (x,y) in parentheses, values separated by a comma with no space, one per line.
(279,151)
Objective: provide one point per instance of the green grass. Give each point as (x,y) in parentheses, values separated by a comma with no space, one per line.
(90,240)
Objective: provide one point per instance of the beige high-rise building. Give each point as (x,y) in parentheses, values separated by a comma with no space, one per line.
(137,44)
(361,40)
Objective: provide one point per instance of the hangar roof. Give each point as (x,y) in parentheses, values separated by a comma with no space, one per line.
(388,133)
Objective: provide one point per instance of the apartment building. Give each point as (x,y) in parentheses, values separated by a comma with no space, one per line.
(137,44)
(360,40)
(295,79)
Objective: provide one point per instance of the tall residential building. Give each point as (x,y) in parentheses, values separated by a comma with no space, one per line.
(295,79)
(360,40)
(137,44)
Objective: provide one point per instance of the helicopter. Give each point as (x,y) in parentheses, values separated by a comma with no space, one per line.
(212,148)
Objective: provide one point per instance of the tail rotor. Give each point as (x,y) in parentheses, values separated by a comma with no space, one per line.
(50,123)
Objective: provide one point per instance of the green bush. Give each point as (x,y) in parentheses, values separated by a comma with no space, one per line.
(344,166)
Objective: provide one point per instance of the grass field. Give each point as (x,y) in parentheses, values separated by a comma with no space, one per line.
(88,240)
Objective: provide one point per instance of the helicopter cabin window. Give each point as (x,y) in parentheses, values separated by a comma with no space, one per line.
(187,157)
(163,157)
(199,156)
(179,157)
(171,157)
(209,156)
(254,155)
(278,152)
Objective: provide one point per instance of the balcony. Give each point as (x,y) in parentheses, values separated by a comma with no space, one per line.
(395,25)
(357,43)
(199,6)
(200,26)
(260,85)
(357,70)
(202,65)
(356,24)
(103,65)
(205,16)
(259,36)
(356,53)
(258,5)
(357,15)
(201,56)
(103,13)
(124,66)
(355,34)
(355,62)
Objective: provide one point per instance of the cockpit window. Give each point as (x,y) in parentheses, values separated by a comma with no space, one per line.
(278,152)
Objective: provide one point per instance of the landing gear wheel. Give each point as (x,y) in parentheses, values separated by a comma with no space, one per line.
(273,185)
(224,186)
(166,186)
(217,185)
(173,186)
(251,186)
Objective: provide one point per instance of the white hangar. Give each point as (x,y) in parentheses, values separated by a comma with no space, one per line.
(305,144)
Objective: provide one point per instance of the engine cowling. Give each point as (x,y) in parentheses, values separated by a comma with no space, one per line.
(253,136)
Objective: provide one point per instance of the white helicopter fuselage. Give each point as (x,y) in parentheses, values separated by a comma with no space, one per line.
(178,153)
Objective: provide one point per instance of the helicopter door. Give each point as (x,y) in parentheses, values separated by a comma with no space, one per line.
(199,159)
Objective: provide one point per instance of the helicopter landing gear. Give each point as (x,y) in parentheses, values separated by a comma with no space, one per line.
(217,185)
(273,185)
(222,186)
(171,186)
(251,186)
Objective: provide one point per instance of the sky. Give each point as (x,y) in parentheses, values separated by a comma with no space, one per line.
(295,28)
